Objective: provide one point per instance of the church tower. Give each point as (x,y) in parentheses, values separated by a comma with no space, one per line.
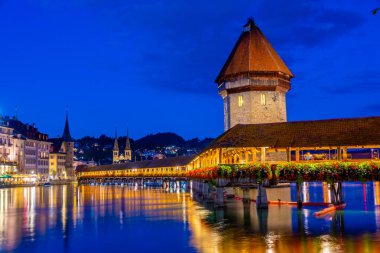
(254,81)
(115,151)
(68,143)
(127,151)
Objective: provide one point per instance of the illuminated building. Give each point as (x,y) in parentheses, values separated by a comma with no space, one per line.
(11,153)
(26,147)
(121,158)
(62,155)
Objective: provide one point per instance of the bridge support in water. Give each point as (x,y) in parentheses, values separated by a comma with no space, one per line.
(336,193)
(219,197)
(299,199)
(246,197)
(262,199)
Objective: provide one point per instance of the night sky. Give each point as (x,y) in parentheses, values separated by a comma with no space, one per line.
(150,65)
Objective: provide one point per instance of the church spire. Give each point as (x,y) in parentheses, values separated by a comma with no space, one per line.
(127,143)
(116,144)
(127,151)
(66,136)
(115,151)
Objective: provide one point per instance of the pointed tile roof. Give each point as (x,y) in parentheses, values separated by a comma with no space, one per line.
(252,54)
(66,136)
(115,144)
(127,144)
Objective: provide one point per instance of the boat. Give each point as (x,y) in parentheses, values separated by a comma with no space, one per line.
(46,184)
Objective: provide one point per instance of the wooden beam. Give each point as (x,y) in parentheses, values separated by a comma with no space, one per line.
(345,154)
(297,154)
(262,155)
(339,153)
(288,155)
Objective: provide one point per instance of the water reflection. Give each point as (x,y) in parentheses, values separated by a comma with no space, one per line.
(107,218)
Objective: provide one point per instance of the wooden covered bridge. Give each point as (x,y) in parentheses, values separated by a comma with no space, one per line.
(243,154)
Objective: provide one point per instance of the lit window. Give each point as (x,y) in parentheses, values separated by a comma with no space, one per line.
(263,99)
(240,101)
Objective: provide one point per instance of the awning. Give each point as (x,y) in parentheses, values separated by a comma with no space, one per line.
(5,176)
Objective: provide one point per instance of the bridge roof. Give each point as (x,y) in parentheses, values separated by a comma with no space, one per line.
(158,163)
(319,133)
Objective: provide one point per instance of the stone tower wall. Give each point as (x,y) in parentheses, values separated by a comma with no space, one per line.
(252,111)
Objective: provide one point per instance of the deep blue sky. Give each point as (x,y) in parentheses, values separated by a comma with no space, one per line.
(151,65)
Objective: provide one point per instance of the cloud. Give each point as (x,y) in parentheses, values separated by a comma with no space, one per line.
(307,23)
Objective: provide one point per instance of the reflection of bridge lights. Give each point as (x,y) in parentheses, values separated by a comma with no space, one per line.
(270,240)
(305,191)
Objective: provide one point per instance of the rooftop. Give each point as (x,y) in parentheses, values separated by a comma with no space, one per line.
(252,54)
(318,133)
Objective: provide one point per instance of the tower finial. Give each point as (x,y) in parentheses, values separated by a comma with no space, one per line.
(249,25)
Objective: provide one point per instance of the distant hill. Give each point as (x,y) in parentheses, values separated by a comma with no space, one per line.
(100,149)
(159,140)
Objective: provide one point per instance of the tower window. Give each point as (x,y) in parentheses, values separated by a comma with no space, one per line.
(263,99)
(240,101)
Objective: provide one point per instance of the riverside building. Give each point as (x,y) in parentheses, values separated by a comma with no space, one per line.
(24,150)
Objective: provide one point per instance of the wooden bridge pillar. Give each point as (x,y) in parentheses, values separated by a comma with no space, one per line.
(261,200)
(336,193)
(205,187)
(219,198)
(246,197)
(299,199)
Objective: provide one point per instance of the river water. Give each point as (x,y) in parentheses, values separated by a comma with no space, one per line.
(129,219)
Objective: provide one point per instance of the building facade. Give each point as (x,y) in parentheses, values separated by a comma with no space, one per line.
(254,81)
(11,152)
(61,165)
(26,148)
